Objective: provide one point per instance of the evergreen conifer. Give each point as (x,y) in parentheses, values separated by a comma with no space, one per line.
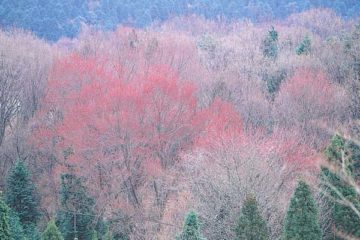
(301,222)
(191,228)
(76,206)
(5,233)
(51,232)
(251,226)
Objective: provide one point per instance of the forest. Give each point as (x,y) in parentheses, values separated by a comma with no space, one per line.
(54,19)
(179,120)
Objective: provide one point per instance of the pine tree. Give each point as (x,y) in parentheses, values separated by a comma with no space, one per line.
(32,233)
(270,44)
(345,154)
(108,235)
(301,222)
(353,150)
(333,151)
(94,235)
(304,47)
(5,233)
(273,82)
(191,228)
(344,218)
(16,229)
(251,226)
(76,205)
(51,232)
(22,198)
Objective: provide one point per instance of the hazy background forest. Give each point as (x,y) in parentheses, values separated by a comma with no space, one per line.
(179,119)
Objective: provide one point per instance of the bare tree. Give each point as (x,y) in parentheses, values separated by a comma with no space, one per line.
(10,92)
(222,177)
(24,64)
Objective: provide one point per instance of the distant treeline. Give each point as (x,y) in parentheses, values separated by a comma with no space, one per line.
(53,19)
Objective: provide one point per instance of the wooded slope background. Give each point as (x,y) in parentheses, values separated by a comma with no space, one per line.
(117,118)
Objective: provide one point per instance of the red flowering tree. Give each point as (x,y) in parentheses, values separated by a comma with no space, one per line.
(125,135)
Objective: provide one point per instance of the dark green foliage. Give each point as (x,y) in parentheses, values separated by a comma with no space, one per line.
(333,151)
(51,232)
(94,235)
(5,232)
(32,233)
(17,230)
(344,218)
(251,226)
(344,153)
(352,151)
(270,44)
(108,235)
(191,228)
(273,82)
(273,34)
(305,47)
(301,222)
(75,204)
(21,195)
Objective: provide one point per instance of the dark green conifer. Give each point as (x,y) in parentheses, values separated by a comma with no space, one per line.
(301,222)
(336,185)
(251,225)
(336,190)
(5,233)
(22,198)
(191,228)
(305,47)
(345,154)
(334,150)
(16,229)
(51,232)
(270,44)
(108,235)
(94,235)
(76,216)
(21,195)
